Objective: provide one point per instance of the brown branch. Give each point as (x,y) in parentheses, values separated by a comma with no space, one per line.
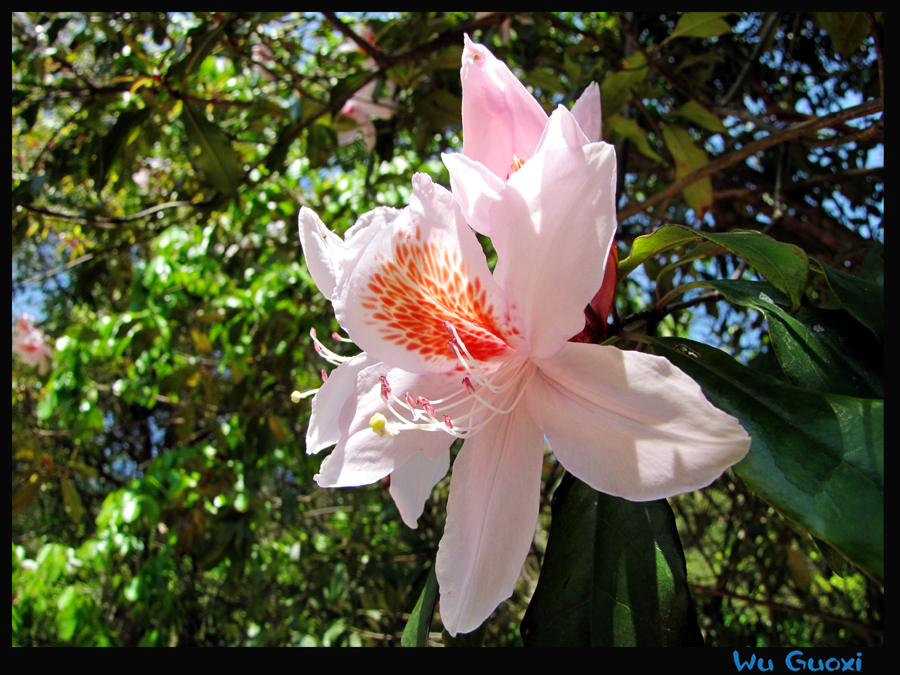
(790,133)
(107,223)
(801,184)
(372,52)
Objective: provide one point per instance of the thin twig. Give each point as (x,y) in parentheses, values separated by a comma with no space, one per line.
(766,31)
(104,222)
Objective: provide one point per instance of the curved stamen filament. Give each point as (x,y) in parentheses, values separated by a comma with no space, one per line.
(326,353)
(498,392)
(457,345)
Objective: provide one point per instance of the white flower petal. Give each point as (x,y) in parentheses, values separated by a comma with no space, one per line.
(474,188)
(553,228)
(321,248)
(562,131)
(500,118)
(631,424)
(491,516)
(426,269)
(588,113)
(362,456)
(334,404)
(412,483)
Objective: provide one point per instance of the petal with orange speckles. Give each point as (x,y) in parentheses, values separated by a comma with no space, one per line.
(427,269)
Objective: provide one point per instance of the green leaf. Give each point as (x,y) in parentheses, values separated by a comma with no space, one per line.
(689,158)
(696,113)
(862,298)
(349,85)
(648,245)
(817,458)
(631,130)
(701,24)
(847,30)
(218,160)
(614,575)
(705,250)
(785,266)
(822,350)
(25,496)
(439,108)
(71,499)
(618,87)
(112,143)
(416,632)
(202,43)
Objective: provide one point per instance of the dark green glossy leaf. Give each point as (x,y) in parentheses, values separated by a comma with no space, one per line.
(817,458)
(785,266)
(416,632)
(217,158)
(614,575)
(862,298)
(822,350)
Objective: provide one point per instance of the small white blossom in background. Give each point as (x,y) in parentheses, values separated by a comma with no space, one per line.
(31,344)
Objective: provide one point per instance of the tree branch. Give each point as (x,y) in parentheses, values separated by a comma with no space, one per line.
(790,133)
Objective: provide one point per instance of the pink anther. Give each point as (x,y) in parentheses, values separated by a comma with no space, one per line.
(468,385)
(426,405)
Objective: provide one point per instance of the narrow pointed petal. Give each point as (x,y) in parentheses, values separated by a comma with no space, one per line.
(327,255)
(491,517)
(412,483)
(631,424)
(588,113)
(427,269)
(562,132)
(322,248)
(362,456)
(474,188)
(553,227)
(500,118)
(334,404)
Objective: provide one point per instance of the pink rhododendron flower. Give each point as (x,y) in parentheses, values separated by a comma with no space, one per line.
(502,127)
(31,344)
(502,122)
(452,350)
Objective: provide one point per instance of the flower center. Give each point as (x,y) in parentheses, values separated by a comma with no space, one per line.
(515,166)
(486,392)
(423,285)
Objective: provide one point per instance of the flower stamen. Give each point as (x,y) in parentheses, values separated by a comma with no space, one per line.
(326,353)
(486,394)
